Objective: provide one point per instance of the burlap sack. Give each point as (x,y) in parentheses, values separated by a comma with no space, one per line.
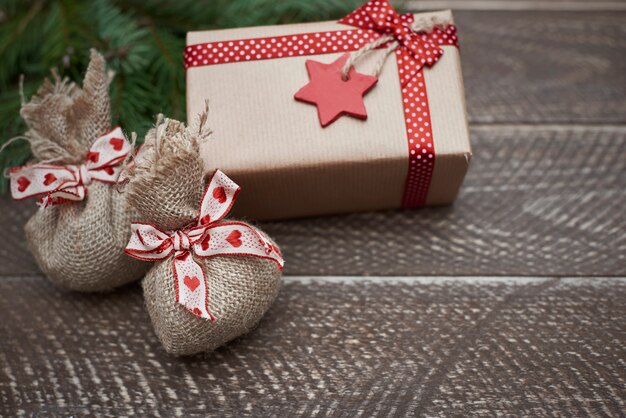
(79,245)
(166,190)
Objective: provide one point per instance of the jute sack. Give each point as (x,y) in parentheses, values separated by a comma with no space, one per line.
(166,190)
(78,244)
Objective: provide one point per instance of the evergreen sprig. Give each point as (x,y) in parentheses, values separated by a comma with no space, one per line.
(142,40)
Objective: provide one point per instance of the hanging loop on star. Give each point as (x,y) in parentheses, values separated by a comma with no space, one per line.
(336,89)
(400,31)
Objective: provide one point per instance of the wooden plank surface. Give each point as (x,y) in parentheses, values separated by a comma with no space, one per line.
(333,347)
(544,67)
(545,196)
(537,201)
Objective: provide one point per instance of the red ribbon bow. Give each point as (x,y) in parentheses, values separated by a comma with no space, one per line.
(379,16)
(210,237)
(59,183)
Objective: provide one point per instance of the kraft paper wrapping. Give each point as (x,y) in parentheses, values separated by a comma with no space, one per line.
(288,165)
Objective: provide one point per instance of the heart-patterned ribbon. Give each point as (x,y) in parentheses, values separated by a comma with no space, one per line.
(55,183)
(419,49)
(209,237)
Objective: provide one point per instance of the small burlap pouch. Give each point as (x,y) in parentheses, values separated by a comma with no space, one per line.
(78,244)
(168,191)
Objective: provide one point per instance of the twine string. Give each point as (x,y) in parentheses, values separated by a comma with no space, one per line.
(421,24)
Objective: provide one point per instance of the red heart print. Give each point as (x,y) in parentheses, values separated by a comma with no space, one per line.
(191,282)
(234,238)
(109,170)
(49,179)
(205,242)
(22,184)
(219,194)
(116,143)
(267,246)
(93,156)
(205,220)
(197,311)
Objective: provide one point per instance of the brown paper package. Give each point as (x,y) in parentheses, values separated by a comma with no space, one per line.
(288,165)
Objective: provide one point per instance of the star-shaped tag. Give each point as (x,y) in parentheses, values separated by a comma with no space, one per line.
(332,95)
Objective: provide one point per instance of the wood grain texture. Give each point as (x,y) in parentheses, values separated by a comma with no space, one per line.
(544,67)
(425,347)
(537,201)
(543,200)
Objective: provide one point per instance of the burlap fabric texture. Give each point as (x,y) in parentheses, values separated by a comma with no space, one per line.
(78,245)
(166,190)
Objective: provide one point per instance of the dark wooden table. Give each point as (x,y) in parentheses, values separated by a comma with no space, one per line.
(511,302)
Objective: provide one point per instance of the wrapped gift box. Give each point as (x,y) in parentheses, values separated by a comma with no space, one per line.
(412,150)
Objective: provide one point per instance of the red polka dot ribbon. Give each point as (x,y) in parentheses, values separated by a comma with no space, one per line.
(56,184)
(210,237)
(373,20)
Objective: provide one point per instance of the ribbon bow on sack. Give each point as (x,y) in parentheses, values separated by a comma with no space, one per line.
(208,238)
(57,183)
(410,39)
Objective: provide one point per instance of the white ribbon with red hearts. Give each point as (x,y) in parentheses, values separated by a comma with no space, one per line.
(210,237)
(58,183)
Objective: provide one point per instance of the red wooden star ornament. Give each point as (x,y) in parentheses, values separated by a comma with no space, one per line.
(333,96)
